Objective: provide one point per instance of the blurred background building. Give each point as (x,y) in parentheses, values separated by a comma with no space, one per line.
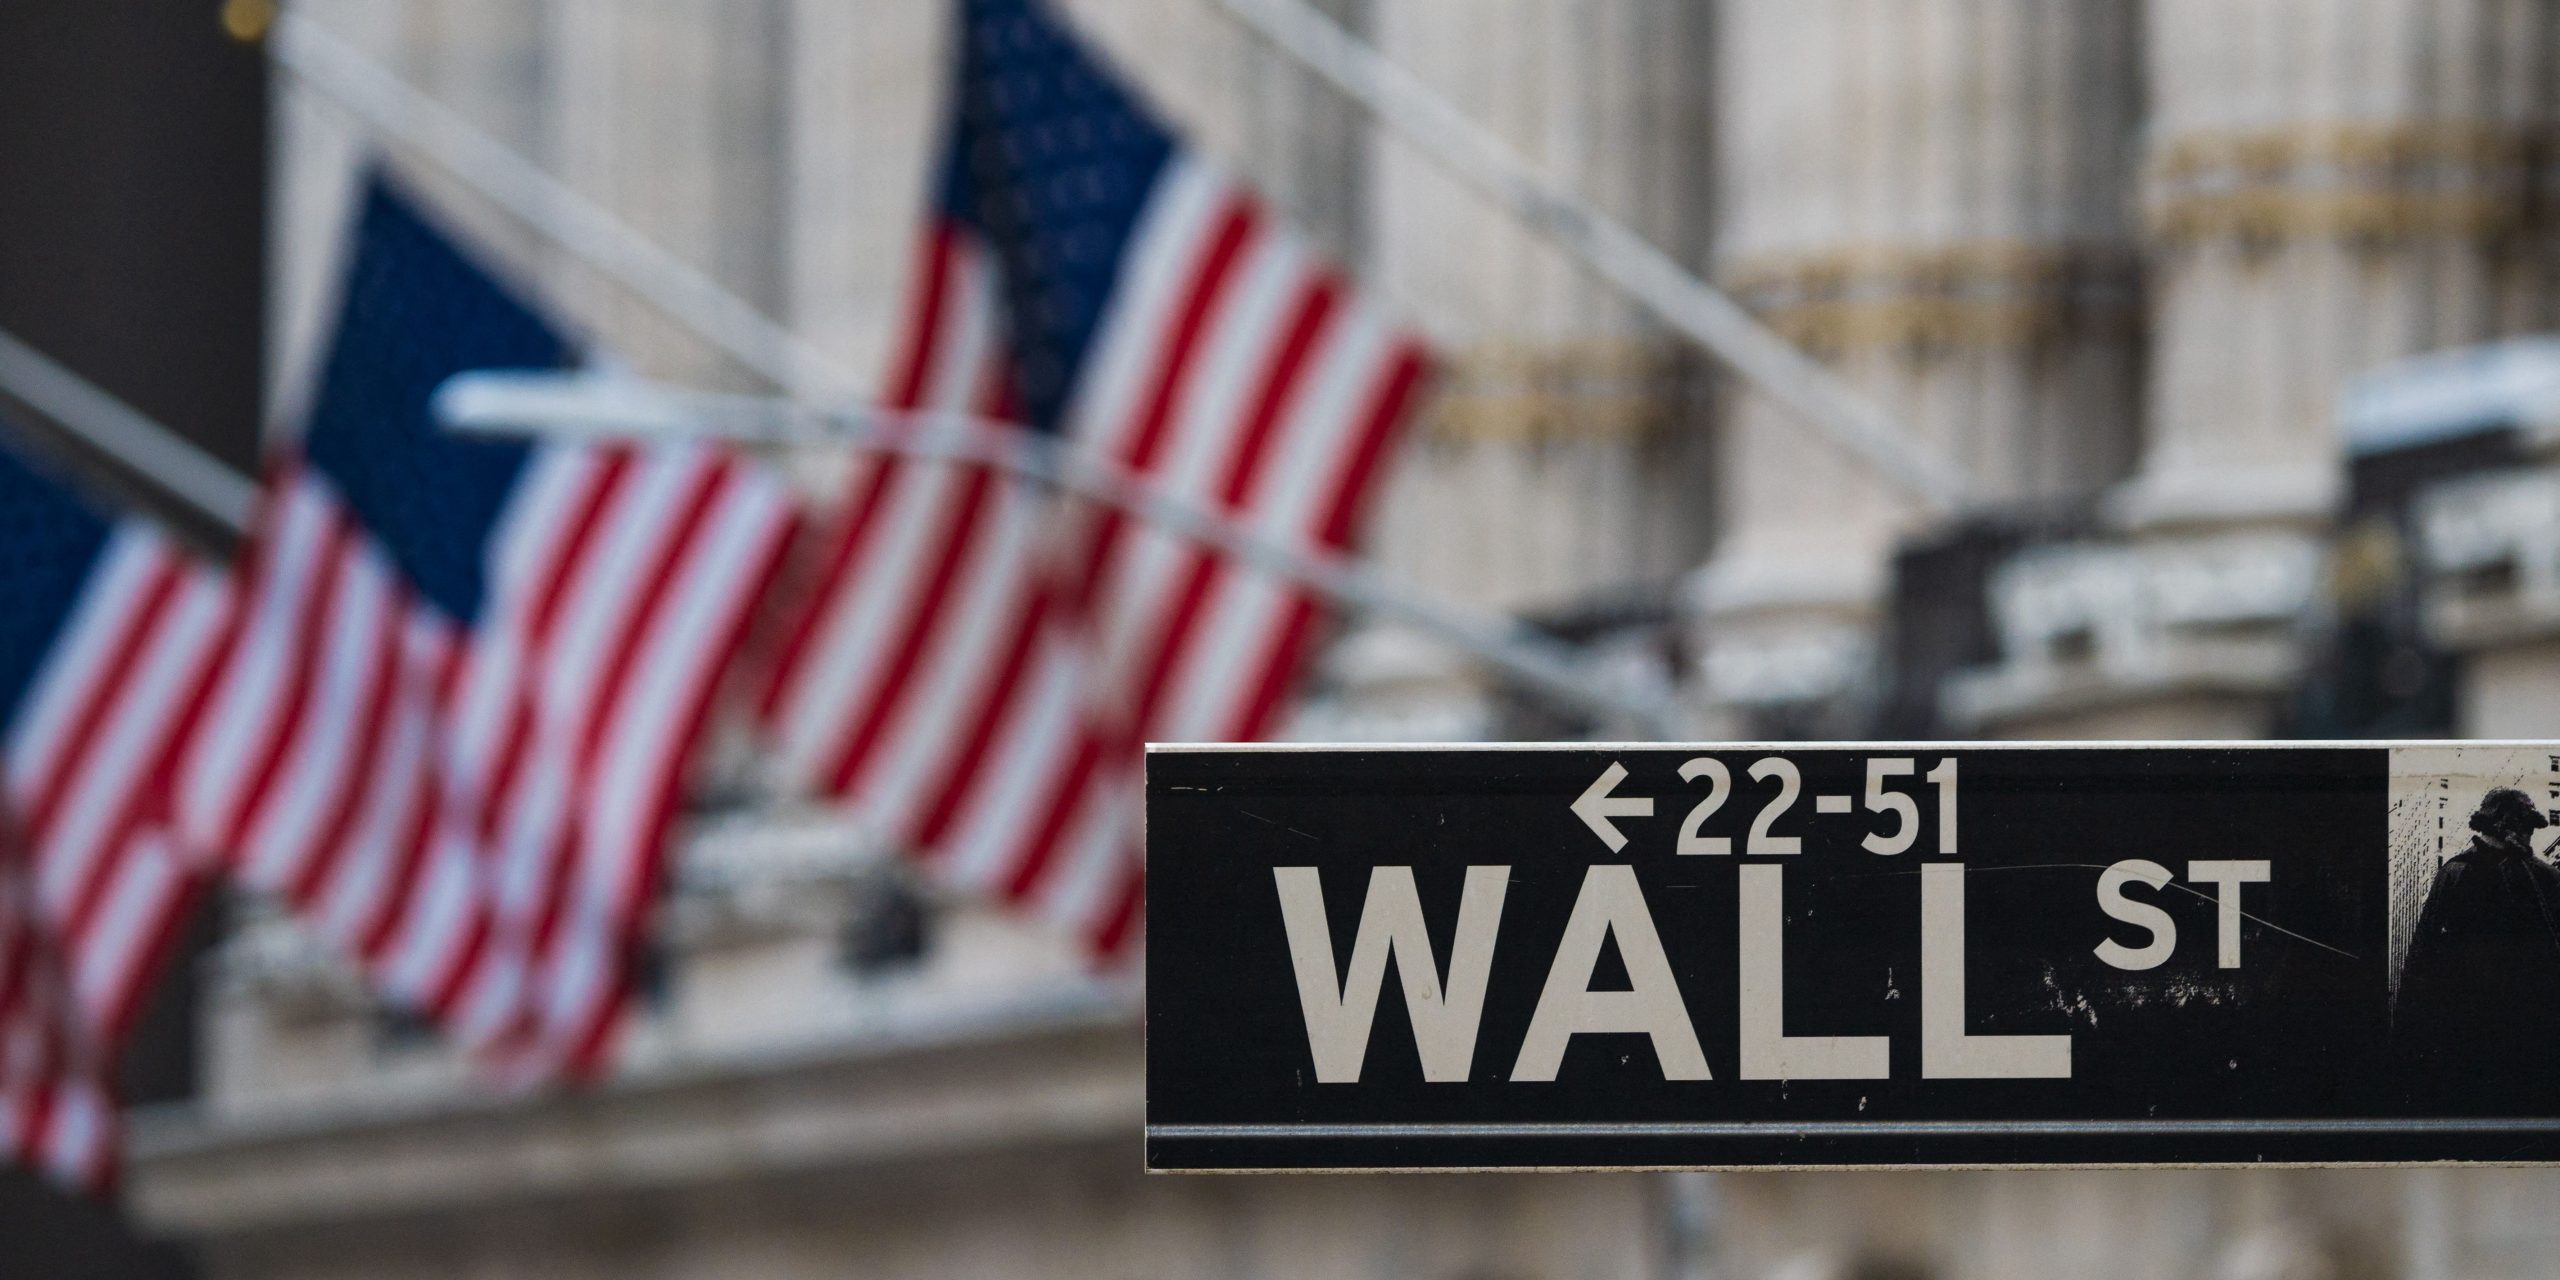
(2152,273)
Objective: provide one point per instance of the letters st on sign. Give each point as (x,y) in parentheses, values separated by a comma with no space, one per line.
(1884,954)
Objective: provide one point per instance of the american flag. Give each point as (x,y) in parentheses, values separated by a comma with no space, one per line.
(109,635)
(470,672)
(977,669)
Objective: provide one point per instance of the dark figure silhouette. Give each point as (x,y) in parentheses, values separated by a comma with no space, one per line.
(2478,1013)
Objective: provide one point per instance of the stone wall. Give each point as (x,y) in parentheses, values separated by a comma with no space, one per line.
(1931,195)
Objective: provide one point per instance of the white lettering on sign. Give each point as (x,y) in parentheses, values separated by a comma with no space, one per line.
(1881,799)
(1338,1018)
(1445,1012)
(1598,805)
(2141,915)
(1947,1050)
(1610,905)
(1601,804)
(1768,1052)
(2225,876)
(1340,1007)
(2228,877)
(1719,787)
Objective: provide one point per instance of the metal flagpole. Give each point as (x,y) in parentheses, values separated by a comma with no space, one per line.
(170,461)
(596,406)
(1609,249)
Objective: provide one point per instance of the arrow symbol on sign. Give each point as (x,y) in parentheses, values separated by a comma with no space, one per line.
(1596,806)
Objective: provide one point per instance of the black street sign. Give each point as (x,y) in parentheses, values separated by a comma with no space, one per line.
(1615,956)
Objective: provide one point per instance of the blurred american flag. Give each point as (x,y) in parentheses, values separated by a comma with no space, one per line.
(109,633)
(977,669)
(472,673)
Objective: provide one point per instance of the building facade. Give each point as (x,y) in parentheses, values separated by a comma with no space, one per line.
(2122,262)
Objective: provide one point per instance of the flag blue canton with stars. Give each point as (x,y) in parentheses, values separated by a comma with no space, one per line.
(1051,161)
(418,311)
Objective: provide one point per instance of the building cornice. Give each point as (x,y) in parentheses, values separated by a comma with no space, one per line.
(1042,1075)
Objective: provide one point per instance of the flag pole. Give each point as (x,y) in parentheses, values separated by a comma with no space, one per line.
(1815,395)
(598,406)
(169,461)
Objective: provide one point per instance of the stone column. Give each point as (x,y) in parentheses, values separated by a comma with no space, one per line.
(1929,195)
(866,110)
(2484,546)
(1268,121)
(486,61)
(672,114)
(667,112)
(480,60)
(2326,187)
(1559,461)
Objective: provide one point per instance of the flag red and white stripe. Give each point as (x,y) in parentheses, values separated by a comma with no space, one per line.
(57,1106)
(94,888)
(977,670)
(478,813)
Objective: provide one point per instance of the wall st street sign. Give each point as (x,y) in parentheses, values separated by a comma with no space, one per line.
(1583,956)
